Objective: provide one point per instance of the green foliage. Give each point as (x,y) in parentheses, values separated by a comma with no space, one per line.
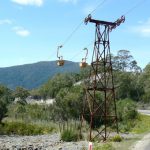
(21,128)
(128,86)
(127,113)
(142,124)
(124,62)
(116,138)
(5,99)
(107,146)
(69,103)
(21,93)
(69,135)
(35,94)
(126,110)
(146,97)
(30,112)
(84,73)
(144,81)
(99,99)
(3,108)
(54,85)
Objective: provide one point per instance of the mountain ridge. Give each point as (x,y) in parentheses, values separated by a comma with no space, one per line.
(33,75)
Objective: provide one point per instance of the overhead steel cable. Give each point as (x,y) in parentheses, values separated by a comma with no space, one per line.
(98,5)
(79,25)
(71,34)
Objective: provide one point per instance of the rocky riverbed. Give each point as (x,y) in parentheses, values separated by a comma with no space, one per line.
(41,142)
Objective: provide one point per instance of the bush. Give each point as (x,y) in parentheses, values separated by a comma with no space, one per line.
(117,138)
(69,135)
(146,97)
(21,128)
(126,110)
(127,114)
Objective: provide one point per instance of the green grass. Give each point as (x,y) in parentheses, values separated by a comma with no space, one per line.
(69,135)
(140,128)
(126,143)
(142,125)
(103,146)
(22,128)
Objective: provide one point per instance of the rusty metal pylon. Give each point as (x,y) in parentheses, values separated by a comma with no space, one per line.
(100,106)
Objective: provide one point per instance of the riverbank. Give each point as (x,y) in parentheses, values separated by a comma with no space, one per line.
(41,142)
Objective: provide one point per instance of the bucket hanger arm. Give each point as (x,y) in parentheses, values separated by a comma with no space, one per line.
(85,55)
(58,56)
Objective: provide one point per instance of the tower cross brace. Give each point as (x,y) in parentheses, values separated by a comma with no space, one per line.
(100,106)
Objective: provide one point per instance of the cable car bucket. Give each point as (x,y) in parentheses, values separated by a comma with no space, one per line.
(60,62)
(83,64)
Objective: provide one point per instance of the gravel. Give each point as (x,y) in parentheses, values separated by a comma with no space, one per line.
(44,142)
(41,142)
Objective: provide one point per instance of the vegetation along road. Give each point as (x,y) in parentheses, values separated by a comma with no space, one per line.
(144,143)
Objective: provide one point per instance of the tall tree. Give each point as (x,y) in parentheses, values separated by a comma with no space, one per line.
(124,61)
(5,99)
(21,93)
(145,82)
(54,85)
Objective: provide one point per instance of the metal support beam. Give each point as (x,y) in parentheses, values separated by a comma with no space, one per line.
(100,109)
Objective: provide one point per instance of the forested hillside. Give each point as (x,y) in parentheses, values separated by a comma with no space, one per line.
(33,75)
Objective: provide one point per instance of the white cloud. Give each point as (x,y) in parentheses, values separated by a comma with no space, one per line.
(21,31)
(143,29)
(5,21)
(69,1)
(29,2)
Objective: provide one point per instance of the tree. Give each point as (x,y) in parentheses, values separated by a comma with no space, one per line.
(54,85)
(5,99)
(69,103)
(21,93)
(124,61)
(3,108)
(145,83)
(128,86)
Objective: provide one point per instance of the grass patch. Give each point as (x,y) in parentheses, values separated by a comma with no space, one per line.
(126,143)
(69,135)
(116,138)
(105,146)
(70,131)
(142,124)
(21,128)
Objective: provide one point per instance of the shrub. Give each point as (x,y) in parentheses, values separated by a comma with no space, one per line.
(126,110)
(146,97)
(127,114)
(69,135)
(21,128)
(117,138)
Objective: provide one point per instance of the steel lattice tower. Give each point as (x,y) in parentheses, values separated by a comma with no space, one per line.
(100,105)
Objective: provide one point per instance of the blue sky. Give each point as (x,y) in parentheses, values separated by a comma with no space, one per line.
(31,30)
